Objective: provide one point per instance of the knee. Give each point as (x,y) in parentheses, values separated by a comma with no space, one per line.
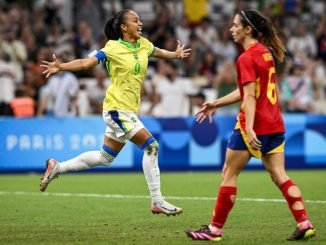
(107,155)
(229,173)
(152,149)
(106,160)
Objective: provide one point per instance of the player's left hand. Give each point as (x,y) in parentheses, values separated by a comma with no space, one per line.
(181,52)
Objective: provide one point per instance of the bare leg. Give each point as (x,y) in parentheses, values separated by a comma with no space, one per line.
(234,163)
(274,163)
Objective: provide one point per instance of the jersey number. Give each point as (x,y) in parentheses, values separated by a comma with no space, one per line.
(137,68)
(271,87)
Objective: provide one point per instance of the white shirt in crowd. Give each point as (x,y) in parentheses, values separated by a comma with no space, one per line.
(174,100)
(62,88)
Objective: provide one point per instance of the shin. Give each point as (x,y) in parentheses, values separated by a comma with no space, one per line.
(151,169)
(89,159)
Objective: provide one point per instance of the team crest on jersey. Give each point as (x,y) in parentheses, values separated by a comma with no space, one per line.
(136,56)
(133,119)
(267,56)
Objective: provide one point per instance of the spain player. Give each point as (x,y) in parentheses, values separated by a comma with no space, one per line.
(126,57)
(259,131)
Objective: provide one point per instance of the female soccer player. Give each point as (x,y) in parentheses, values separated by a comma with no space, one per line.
(259,131)
(126,57)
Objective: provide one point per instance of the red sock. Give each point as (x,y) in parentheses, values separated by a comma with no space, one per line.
(223,205)
(299,215)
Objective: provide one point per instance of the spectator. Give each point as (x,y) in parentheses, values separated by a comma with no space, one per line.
(183,31)
(22,105)
(171,93)
(16,51)
(89,12)
(208,69)
(62,90)
(58,38)
(41,25)
(33,71)
(297,89)
(224,48)
(321,39)
(190,66)
(225,83)
(83,106)
(319,86)
(84,39)
(206,33)
(195,11)
(7,79)
(160,29)
(302,42)
(39,28)
(96,93)
(196,101)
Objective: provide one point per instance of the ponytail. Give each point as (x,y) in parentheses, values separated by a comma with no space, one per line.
(112,29)
(264,31)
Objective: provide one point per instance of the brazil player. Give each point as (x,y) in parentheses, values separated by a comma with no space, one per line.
(126,57)
(259,131)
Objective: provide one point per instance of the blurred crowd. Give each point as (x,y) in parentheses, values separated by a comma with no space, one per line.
(32,31)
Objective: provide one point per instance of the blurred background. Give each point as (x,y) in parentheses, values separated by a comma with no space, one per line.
(61,116)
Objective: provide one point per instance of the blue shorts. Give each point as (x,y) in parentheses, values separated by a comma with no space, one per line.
(271,143)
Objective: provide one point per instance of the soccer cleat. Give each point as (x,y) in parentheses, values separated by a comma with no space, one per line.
(166,208)
(50,173)
(204,233)
(302,234)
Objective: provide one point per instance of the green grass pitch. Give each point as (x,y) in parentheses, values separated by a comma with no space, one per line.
(113,208)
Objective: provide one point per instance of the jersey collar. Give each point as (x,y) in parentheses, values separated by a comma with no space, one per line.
(129,45)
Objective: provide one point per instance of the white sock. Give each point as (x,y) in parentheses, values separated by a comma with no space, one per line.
(152,175)
(85,160)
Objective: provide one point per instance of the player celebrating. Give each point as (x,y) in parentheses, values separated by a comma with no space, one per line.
(126,57)
(260,129)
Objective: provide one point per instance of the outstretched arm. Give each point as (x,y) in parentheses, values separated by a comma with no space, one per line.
(208,108)
(228,99)
(74,65)
(179,53)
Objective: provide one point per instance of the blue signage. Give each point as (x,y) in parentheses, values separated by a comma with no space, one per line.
(25,144)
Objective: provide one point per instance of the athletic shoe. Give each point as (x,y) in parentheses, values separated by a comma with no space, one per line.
(50,173)
(166,208)
(302,234)
(204,233)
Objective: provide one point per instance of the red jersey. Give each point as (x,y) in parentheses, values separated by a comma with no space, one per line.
(256,64)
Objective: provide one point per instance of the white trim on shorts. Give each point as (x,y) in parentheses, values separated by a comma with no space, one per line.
(121,125)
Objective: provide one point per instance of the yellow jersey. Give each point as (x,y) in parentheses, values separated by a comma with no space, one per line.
(127,67)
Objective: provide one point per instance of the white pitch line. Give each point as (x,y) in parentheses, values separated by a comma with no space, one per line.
(118,196)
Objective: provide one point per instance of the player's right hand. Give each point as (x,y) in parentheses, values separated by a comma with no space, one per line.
(50,67)
(207,110)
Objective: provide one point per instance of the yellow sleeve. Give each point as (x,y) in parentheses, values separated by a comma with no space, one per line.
(149,46)
(107,49)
